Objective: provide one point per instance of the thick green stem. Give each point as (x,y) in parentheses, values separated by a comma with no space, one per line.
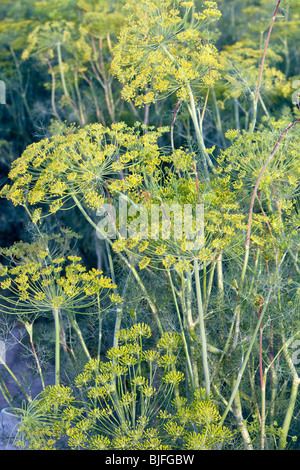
(263,414)
(220,276)
(202,329)
(294,391)
(241,423)
(81,113)
(289,414)
(209,285)
(61,70)
(55,113)
(57,345)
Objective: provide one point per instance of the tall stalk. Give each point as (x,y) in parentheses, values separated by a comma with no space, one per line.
(120,313)
(15,379)
(263,412)
(202,329)
(294,392)
(220,276)
(54,110)
(29,328)
(246,359)
(255,103)
(193,113)
(209,284)
(79,333)
(187,354)
(241,422)
(61,70)
(57,345)
(254,194)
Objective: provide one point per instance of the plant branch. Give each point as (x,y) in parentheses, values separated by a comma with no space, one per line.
(262,67)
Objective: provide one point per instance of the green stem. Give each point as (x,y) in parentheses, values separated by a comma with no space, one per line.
(37,363)
(182,332)
(23,94)
(218,117)
(129,265)
(263,106)
(220,276)
(15,379)
(263,413)
(193,113)
(254,194)
(262,68)
(100,329)
(209,285)
(246,359)
(80,336)
(57,345)
(236,114)
(234,321)
(294,391)
(55,113)
(62,74)
(289,414)
(5,392)
(241,422)
(202,329)
(110,261)
(81,113)
(120,313)
(29,329)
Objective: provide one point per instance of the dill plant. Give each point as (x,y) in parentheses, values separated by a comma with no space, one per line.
(235,302)
(128,402)
(165,49)
(36,283)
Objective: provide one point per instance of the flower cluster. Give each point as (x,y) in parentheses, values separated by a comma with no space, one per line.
(242,163)
(42,283)
(82,163)
(241,69)
(197,423)
(162,50)
(161,242)
(119,401)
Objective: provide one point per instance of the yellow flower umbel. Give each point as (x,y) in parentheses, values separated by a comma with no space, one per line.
(84,164)
(40,284)
(162,49)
